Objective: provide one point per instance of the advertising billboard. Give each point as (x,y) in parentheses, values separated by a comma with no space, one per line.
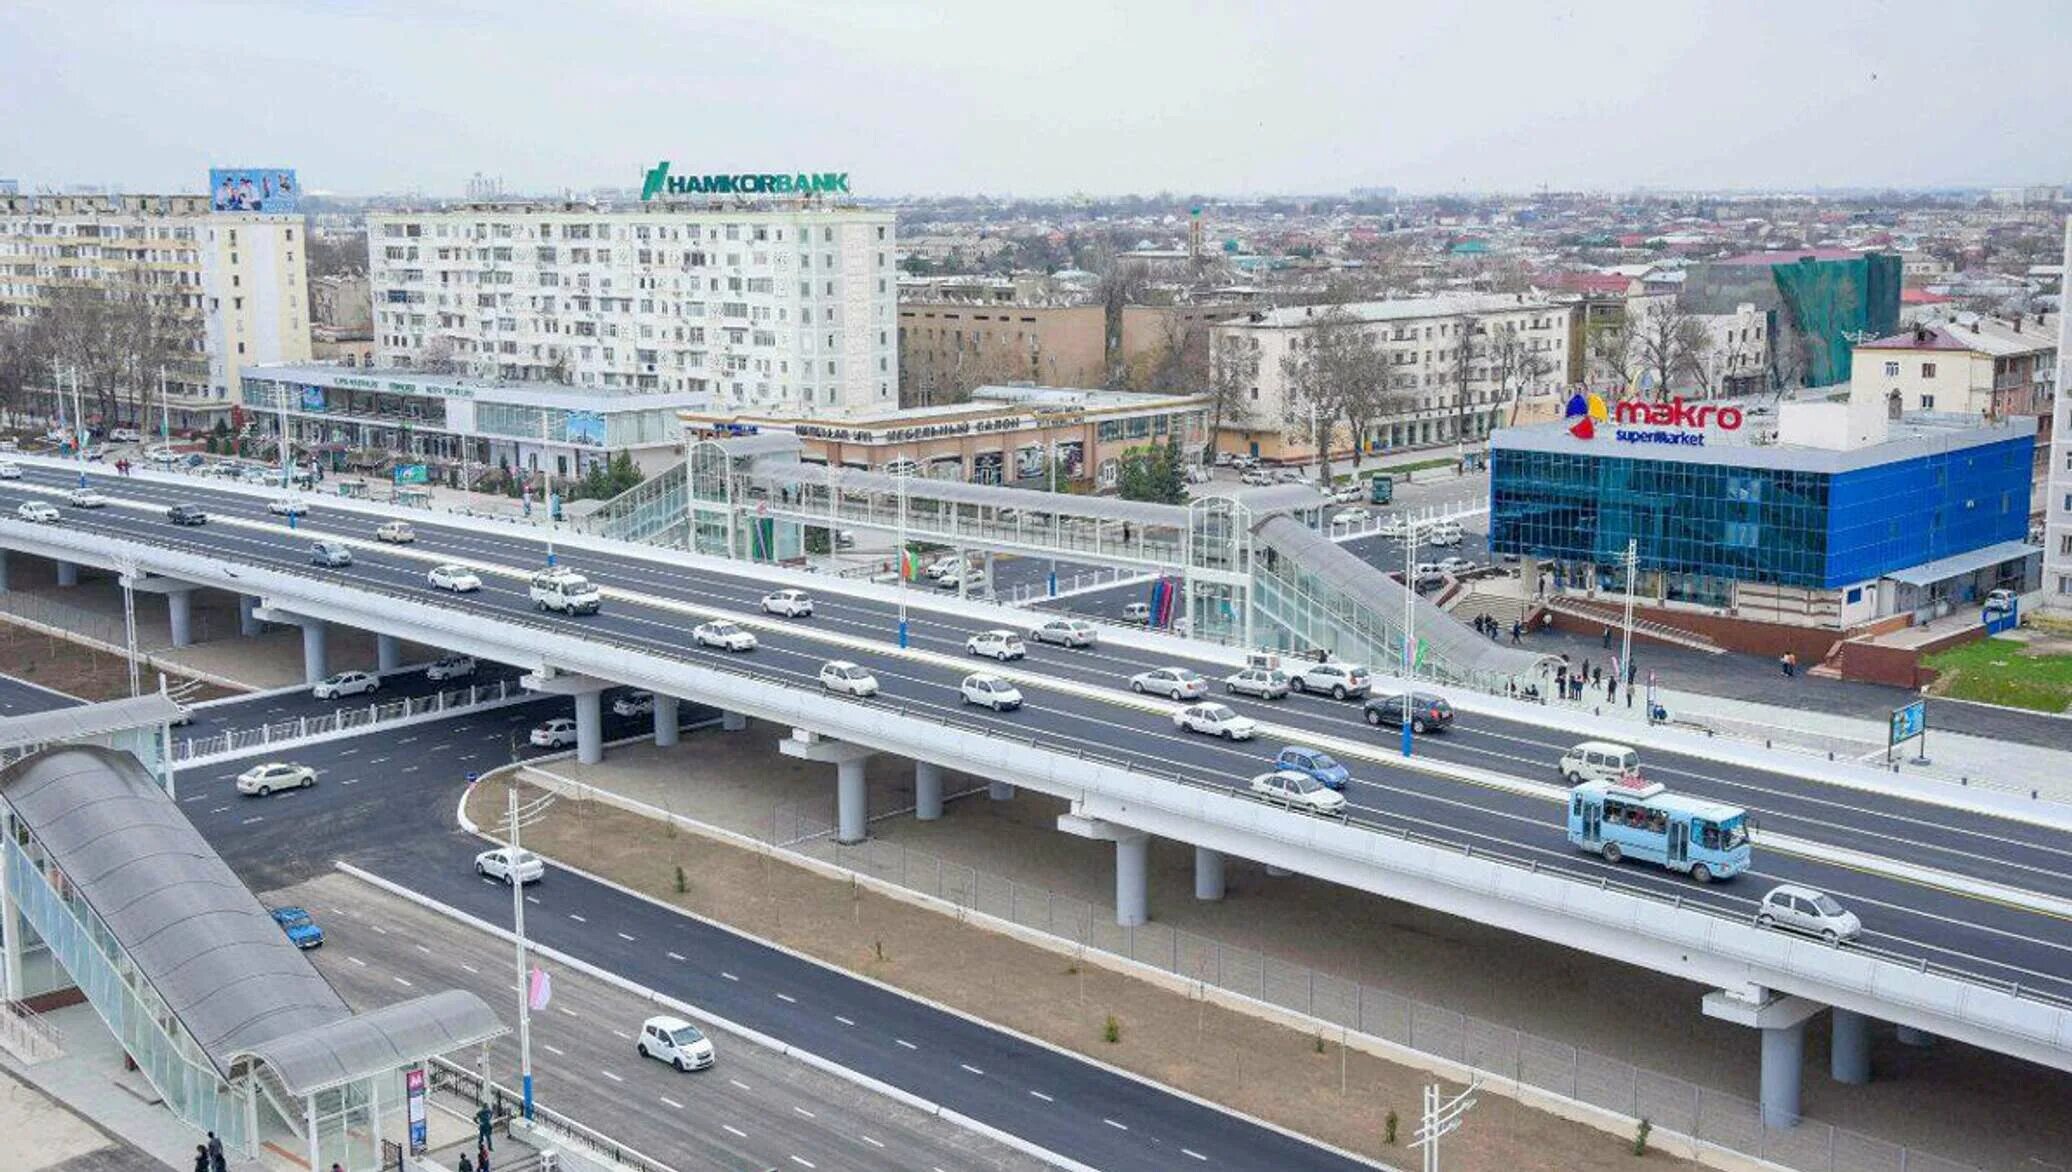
(312,398)
(254,189)
(586,428)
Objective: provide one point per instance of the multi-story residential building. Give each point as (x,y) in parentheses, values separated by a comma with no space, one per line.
(1458,364)
(785,309)
(949,345)
(2057,512)
(226,289)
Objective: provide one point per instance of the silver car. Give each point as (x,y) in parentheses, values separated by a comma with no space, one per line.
(1803,909)
(1066,632)
(1264,683)
(1174,683)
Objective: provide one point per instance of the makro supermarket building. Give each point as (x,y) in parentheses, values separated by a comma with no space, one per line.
(1828,514)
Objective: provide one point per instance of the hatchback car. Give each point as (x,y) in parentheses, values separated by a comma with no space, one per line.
(9,470)
(1174,683)
(1298,790)
(86,498)
(1999,602)
(334,554)
(1803,909)
(1426,713)
(286,506)
(553,734)
(1349,517)
(724,635)
(508,866)
(451,667)
(1260,682)
(1215,720)
(40,512)
(848,678)
(792,604)
(1314,764)
(1066,633)
(1336,680)
(186,515)
(261,780)
(991,691)
(459,579)
(634,704)
(1001,645)
(675,1041)
(302,931)
(395,533)
(345,683)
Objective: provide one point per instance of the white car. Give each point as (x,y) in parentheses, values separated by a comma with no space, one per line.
(1349,517)
(1428,574)
(1263,683)
(9,470)
(1215,720)
(1256,478)
(792,604)
(1392,527)
(1444,533)
(1002,645)
(345,683)
(286,506)
(1067,633)
(1455,566)
(1336,680)
(723,635)
(451,667)
(1137,612)
(943,567)
(634,704)
(553,734)
(991,691)
(396,533)
(86,498)
(973,579)
(1287,787)
(675,1041)
(1174,683)
(41,512)
(459,579)
(1803,909)
(126,435)
(506,866)
(261,780)
(840,675)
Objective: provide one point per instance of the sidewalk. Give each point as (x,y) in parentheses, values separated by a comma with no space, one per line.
(64,1138)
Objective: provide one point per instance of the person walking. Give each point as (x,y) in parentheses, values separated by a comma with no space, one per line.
(485,1128)
(466,1165)
(201,1158)
(1597,677)
(1517,629)
(217,1162)
(1611,691)
(481,1158)
(1607,637)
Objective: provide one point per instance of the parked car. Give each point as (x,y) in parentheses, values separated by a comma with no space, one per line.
(1174,683)
(1392,527)
(1444,533)
(1137,612)
(991,691)
(973,579)
(675,1041)
(346,683)
(1066,633)
(1315,764)
(553,734)
(186,515)
(334,554)
(459,579)
(451,667)
(126,435)
(840,675)
(1297,790)
(261,780)
(634,704)
(1256,478)
(1999,602)
(1426,713)
(1803,909)
(724,635)
(1288,476)
(1455,566)
(86,498)
(792,604)
(944,567)
(1349,517)
(9,470)
(302,931)
(287,506)
(1002,645)
(1336,680)
(39,512)
(395,533)
(1215,720)
(508,866)
(1427,574)
(1263,683)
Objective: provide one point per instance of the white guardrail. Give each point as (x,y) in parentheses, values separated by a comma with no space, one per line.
(302,728)
(28,1035)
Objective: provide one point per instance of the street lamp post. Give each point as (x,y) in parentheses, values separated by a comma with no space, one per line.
(1441,1119)
(1632,560)
(900,553)
(524,977)
(1410,531)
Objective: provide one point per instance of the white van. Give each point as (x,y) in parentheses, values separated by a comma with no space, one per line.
(1444,533)
(565,591)
(1599,761)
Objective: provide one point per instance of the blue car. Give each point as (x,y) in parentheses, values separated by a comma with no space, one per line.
(302,931)
(1314,764)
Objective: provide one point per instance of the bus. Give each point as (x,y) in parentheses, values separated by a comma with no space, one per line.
(1632,818)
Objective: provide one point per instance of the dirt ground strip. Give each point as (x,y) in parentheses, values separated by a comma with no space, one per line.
(1296,1080)
(76,670)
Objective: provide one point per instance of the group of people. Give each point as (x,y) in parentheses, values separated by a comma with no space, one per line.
(1489,625)
(208,1157)
(1571,682)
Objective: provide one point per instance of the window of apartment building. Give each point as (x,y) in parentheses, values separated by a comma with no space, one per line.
(2065,545)
(1927,402)
(1928,370)
(881,231)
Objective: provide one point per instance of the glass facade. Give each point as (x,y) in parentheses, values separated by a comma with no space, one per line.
(1704,526)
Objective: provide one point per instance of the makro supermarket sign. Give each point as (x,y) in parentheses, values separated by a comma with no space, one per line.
(1637,421)
(660,182)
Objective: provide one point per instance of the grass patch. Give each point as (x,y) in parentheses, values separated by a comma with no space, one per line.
(2002,671)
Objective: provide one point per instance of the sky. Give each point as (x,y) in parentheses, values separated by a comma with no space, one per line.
(1040,99)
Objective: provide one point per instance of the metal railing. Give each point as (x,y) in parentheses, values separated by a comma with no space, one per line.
(452,1078)
(343,720)
(28,1035)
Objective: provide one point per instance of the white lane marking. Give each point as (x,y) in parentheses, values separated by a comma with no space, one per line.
(1115,1125)
(623,936)
(196,798)
(442,748)
(377,929)
(529,898)
(578,919)
(219,809)
(907,1044)
(556,1050)
(347,752)
(405,740)
(402,982)
(410,769)
(786,997)
(423,949)
(470,968)
(622,1035)
(806,1113)
(845,1021)
(377,760)
(973,1069)
(356,960)
(675,956)
(802,1162)
(728,975)
(738,1083)
(671,1102)
(249,821)
(350,781)
(1044,1097)
(730,1129)
(1195,1154)
(872,1142)
(608,1074)
(565,1009)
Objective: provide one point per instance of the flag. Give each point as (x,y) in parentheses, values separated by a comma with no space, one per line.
(909,565)
(540,990)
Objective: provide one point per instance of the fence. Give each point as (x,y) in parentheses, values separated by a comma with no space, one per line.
(341,720)
(452,1078)
(1670,1103)
(27,1035)
(1086,579)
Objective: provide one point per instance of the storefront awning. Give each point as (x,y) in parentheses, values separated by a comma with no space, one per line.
(1957,565)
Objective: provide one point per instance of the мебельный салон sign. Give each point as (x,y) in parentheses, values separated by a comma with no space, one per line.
(660,182)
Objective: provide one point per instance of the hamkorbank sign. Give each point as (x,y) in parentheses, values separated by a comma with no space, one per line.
(660,182)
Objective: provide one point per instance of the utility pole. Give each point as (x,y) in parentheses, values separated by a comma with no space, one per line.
(1410,532)
(127,575)
(1441,1119)
(900,565)
(165,411)
(518,931)
(1632,560)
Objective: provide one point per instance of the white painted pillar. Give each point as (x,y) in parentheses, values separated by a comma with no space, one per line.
(852,801)
(248,623)
(388,652)
(179,608)
(927,791)
(68,573)
(590,726)
(1208,873)
(10,933)
(1784,1052)
(665,720)
(316,663)
(1000,791)
(1132,879)
(1850,1056)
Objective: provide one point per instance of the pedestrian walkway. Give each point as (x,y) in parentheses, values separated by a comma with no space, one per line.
(65,1139)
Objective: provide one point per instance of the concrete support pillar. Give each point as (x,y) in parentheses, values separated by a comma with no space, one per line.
(1208,873)
(1919,1039)
(10,937)
(316,663)
(590,726)
(68,573)
(927,791)
(732,721)
(248,623)
(963,573)
(1850,1058)
(989,574)
(665,720)
(1784,1052)
(388,653)
(3,571)
(1132,879)
(179,609)
(1000,791)
(852,801)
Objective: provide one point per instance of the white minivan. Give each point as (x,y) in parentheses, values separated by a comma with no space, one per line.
(565,591)
(1598,761)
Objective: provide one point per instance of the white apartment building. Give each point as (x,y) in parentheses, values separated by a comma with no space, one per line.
(231,285)
(1425,341)
(2057,514)
(790,310)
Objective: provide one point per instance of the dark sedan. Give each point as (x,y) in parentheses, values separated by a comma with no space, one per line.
(1425,713)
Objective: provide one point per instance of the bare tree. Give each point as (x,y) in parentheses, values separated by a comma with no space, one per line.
(1515,366)
(440,356)
(1470,346)
(1121,283)
(1670,345)
(1335,374)
(1233,375)
(1611,351)
(22,361)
